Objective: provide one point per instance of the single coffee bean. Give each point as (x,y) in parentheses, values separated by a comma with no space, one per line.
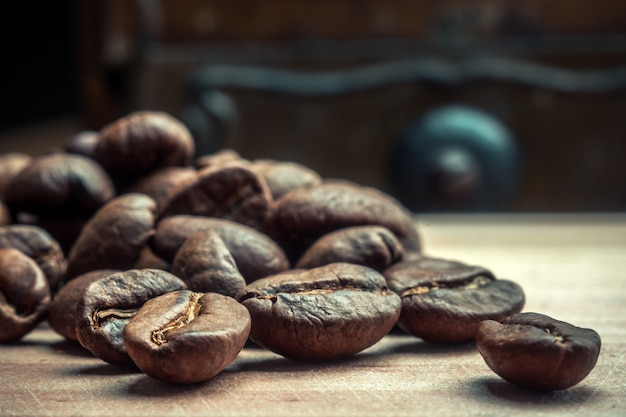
(37,244)
(282,177)
(114,236)
(218,158)
(10,165)
(206,265)
(373,246)
(62,312)
(59,184)
(255,253)
(328,312)
(141,142)
(444,301)
(24,294)
(231,191)
(187,337)
(108,304)
(536,351)
(303,215)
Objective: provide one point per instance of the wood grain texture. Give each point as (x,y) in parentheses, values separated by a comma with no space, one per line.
(571,267)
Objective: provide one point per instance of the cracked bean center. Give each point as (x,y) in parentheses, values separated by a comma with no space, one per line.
(158,337)
(470,284)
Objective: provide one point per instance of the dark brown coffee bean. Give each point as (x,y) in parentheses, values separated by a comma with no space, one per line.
(10,165)
(59,184)
(305,214)
(82,143)
(230,191)
(372,246)
(62,314)
(108,304)
(323,313)
(142,142)
(218,158)
(37,244)
(114,236)
(536,351)
(206,265)
(444,301)
(187,337)
(255,254)
(158,184)
(24,294)
(282,177)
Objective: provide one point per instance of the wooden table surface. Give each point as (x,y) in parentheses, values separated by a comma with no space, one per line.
(572,267)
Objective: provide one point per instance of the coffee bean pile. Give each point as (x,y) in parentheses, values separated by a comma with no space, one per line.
(149,256)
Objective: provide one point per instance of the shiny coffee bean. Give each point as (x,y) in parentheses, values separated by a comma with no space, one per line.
(444,301)
(108,304)
(536,351)
(114,236)
(62,311)
(282,177)
(372,246)
(24,294)
(231,191)
(206,265)
(37,243)
(143,141)
(323,313)
(255,254)
(59,184)
(187,337)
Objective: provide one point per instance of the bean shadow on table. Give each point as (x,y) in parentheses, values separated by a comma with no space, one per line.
(68,347)
(495,390)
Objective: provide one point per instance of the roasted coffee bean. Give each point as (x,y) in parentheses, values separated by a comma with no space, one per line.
(187,337)
(230,191)
(372,246)
(255,254)
(444,301)
(24,294)
(114,236)
(282,177)
(206,265)
(37,243)
(218,158)
(323,313)
(10,165)
(59,184)
(158,184)
(107,305)
(536,351)
(62,311)
(82,143)
(141,142)
(305,214)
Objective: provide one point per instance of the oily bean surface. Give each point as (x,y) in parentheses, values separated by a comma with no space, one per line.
(114,236)
(444,301)
(62,312)
(328,312)
(24,294)
(143,141)
(230,191)
(537,351)
(255,253)
(206,265)
(37,243)
(373,246)
(59,184)
(187,337)
(108,304)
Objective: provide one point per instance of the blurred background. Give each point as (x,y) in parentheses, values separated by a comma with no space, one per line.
(450,106)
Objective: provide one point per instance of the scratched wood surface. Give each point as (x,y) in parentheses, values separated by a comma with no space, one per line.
(572,267)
